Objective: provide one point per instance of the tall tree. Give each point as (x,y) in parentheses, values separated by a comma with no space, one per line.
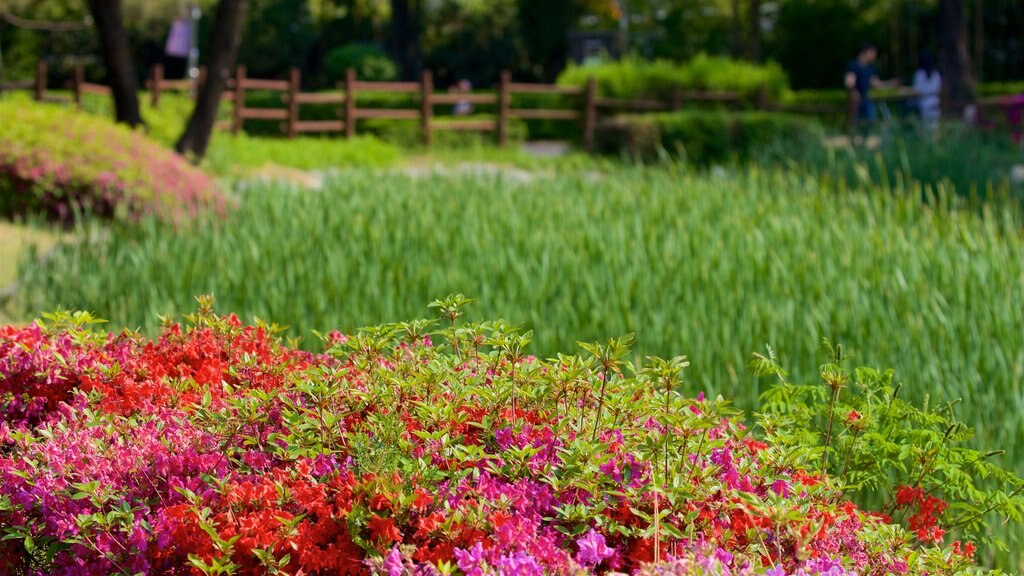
(224,41)
(405,37)
(117,56)
(954,57)
(755,31)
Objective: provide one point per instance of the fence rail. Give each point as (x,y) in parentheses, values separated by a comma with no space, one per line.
(585,108)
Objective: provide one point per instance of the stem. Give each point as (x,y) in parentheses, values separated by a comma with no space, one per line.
(849,453)
(668,384)
(828,432)
(600,406)
(455,341)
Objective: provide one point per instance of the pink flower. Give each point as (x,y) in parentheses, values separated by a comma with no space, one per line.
(781,488)
(593,549)
(393,563)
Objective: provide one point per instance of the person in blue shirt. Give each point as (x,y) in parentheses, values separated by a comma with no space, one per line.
(861,77)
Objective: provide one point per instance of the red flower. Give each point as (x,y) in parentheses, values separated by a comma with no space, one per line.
(423,499)
(853,417)
(384,529)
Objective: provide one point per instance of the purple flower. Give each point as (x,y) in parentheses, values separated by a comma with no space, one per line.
(593,549)
(519,564)
(393,563)
(469,560)
(781,488)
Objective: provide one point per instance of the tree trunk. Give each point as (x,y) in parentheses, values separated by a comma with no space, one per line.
(955,59)
(117,56)
(225,38)
(755,30)
(737,29)
(405,38)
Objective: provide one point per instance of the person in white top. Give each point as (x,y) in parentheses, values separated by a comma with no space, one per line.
(928,86)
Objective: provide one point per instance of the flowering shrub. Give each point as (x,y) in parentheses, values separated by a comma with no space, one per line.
(407,449)
(55,160)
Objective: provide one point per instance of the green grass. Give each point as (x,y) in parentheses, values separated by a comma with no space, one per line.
(16,240)
(712,267)
(230,153)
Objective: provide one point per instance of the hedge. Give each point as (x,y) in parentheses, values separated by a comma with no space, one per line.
(702,137)
(637,78)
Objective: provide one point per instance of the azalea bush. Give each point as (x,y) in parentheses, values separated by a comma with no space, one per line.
(444,447)
(56,160)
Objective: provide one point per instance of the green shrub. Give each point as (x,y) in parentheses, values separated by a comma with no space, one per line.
(55,160)
(409,133)
(1000,88)
(370,63)
(973,163)
(637,78)
(702,137)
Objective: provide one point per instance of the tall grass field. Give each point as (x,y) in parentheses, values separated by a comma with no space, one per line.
(715,267)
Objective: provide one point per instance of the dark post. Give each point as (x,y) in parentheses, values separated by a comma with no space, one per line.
(158,78)
(426,106)
(239,98)
(350,103)
(504,102)
(293,102)
(40,80)
(762,98)
(77,86)
(589,114)
(677,97)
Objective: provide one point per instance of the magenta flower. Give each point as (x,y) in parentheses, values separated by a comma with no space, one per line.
(593,549)
(393,563)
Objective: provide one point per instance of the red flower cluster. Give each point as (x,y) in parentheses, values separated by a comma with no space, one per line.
(925,521)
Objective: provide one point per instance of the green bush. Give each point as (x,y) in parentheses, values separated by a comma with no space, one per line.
(636,78)
(370,63)
(702,137)
(409,133)
(56,160)
(975,164)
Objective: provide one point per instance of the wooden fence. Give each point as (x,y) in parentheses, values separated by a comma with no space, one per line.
(585,108)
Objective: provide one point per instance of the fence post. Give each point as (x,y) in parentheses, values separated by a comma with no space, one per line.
(349,103)
(239,99)
(426,105)
(78,80)
(198,83)
(762,98)
(293,102)
(40,80)
(158,78)
(589,114)
(504,103)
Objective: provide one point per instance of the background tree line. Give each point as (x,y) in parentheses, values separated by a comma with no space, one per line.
(812,39)
(476,39)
